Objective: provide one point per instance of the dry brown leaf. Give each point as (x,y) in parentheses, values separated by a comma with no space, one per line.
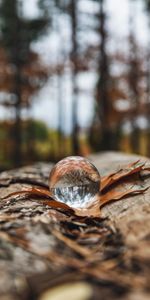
(114,195)
(58,205)
(29,192)
(132,168)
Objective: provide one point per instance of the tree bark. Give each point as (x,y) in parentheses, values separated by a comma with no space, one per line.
(43,249)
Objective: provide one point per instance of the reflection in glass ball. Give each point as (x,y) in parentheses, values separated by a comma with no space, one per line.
(75,181)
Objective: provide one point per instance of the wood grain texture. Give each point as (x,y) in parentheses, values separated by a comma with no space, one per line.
(42,249)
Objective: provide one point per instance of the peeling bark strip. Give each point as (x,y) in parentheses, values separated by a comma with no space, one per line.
(44,248)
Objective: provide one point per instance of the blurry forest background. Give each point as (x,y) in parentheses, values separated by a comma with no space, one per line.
(87,91)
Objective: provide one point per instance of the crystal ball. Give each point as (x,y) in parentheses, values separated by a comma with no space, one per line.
(75,181)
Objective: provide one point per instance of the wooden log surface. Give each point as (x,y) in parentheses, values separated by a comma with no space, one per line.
(45,254)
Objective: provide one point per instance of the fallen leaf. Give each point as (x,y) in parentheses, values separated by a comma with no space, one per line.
(132,168)
(114,195)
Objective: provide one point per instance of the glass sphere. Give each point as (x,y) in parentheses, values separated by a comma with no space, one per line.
(75,181)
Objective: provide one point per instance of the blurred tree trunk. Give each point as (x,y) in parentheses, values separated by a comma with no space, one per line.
(17,34)
(134,83)
(74,59)
(57,10)
(17,128)
(148,82)
(60,114)
(102,89)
